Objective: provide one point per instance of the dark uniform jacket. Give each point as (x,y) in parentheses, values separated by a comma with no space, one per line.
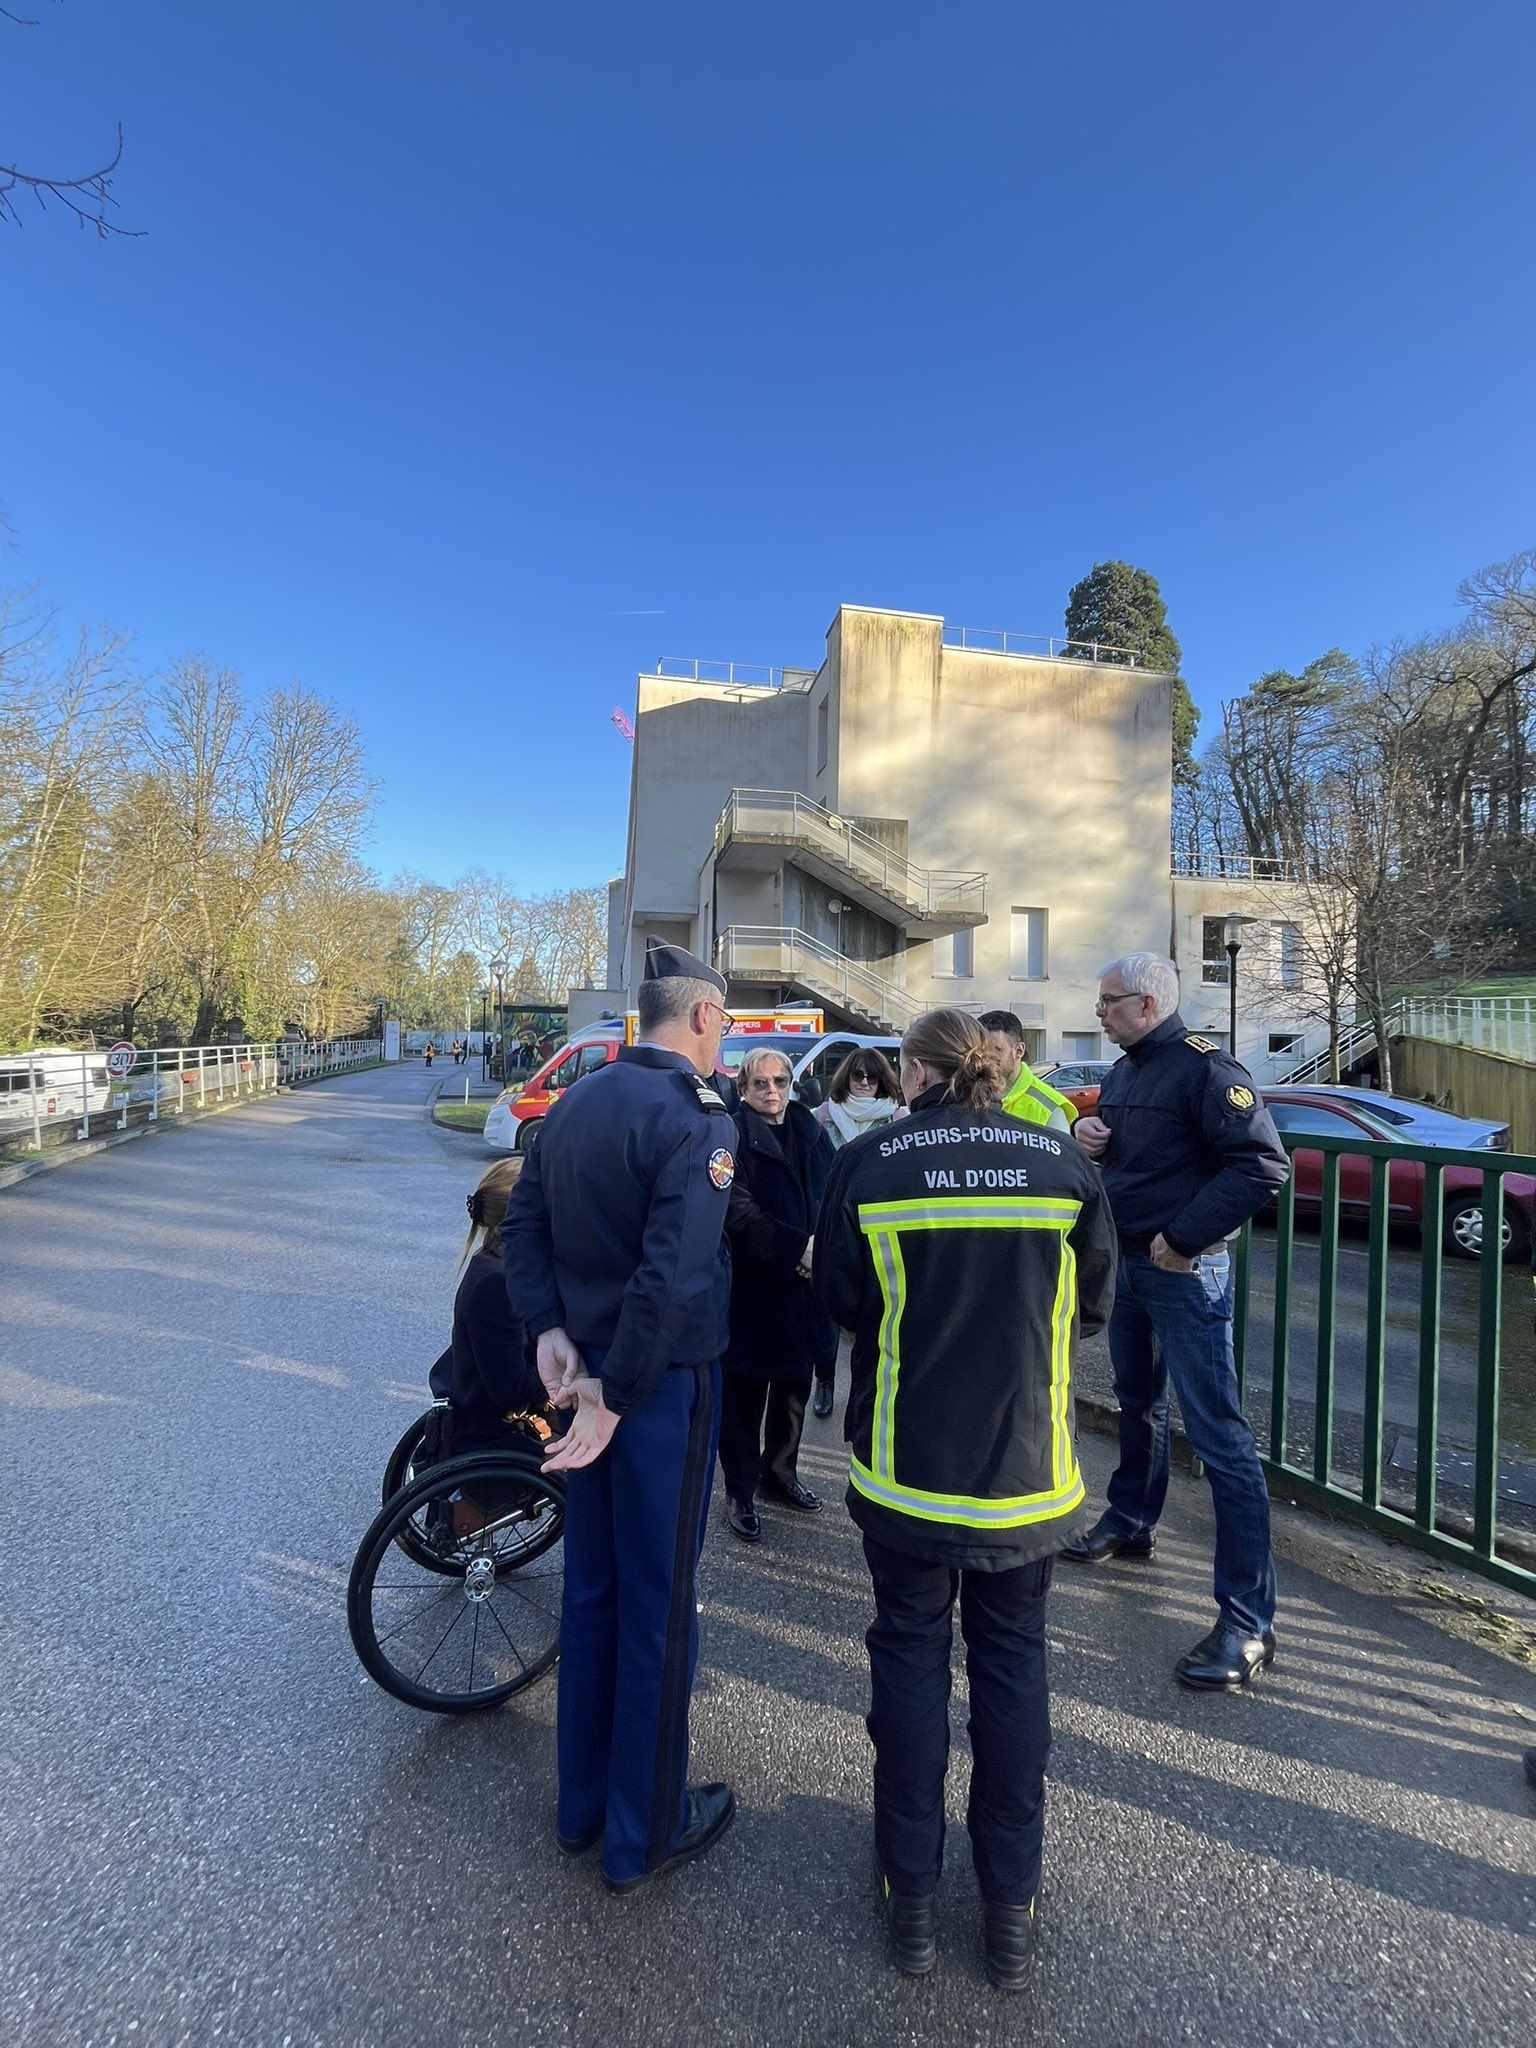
(488,1370)
(1192,1151)
(779,1330)
(613,1232)
(965,1250)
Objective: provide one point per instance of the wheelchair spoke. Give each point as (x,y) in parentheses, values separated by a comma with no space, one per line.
(411,1620)
(447,1632)
(517,1653)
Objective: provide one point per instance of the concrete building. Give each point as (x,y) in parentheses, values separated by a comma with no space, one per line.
(923,820)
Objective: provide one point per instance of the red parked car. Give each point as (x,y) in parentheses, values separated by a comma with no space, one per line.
(1296,1112)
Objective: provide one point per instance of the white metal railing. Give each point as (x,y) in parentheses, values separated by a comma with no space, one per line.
(787,814)
(1354,1044)
(50,1091)
(1037,646)
(783,953)
(738,675)
(1500,1024)
(326,1056)
(1233,867)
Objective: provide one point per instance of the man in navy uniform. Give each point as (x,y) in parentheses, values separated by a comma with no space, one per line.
(1189,1154)
(616,1263)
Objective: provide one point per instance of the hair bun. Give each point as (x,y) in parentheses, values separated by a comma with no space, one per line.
(976,1061)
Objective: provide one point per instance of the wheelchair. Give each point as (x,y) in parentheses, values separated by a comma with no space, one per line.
(453,1603)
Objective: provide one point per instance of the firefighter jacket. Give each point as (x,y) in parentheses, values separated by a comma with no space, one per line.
(965,1251)
(1037,1102)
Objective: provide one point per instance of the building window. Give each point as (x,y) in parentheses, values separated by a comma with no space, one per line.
(1214,964)
(1027,960)
(1289,936)
(821,735)
(955,956)
(1285,1041)
(1080,1045)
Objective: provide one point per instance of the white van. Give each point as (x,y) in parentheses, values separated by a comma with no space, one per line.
(55,1080)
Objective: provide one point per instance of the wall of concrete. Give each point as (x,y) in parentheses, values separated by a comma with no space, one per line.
(1468,1083)
(694,744)
(1051,776)
(1263,1006)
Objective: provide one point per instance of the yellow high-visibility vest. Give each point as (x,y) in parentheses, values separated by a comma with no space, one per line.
(1035,1101)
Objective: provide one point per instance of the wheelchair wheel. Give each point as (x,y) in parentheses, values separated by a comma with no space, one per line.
(401,1468)
(482,1620)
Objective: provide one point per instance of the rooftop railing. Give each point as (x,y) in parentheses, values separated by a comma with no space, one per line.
(1233,867)
(787,814)
(734,675)
(1038,646)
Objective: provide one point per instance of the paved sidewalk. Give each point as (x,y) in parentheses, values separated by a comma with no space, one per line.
(217,1830)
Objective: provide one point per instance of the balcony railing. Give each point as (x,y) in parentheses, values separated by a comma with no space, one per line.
(783,953)
(784,814)
(734,675)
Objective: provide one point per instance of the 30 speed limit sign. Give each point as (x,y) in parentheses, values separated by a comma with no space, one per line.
(120,1059)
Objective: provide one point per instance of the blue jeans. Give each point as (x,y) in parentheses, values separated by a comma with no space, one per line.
(1178,1326)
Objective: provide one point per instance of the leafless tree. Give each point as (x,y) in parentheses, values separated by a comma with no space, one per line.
(87,195)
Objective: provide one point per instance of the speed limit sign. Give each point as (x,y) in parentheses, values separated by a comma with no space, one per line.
(120,1059)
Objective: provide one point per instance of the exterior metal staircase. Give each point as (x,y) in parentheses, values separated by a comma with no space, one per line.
(794,960)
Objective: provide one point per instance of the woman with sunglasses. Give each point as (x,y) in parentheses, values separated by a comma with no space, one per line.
(780,1334)
(864,1096)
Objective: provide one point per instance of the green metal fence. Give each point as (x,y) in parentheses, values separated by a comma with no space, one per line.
(1432,1309)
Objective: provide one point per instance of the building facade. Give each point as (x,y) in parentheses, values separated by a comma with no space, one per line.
(924,820)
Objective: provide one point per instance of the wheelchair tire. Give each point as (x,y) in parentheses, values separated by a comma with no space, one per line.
(481,1621)
(401,1464)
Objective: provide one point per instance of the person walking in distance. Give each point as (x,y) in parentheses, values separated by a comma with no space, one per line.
(1189,1153)
(966,1250)
(615,1262)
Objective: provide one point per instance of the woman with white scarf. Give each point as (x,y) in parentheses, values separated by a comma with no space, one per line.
(864,1095)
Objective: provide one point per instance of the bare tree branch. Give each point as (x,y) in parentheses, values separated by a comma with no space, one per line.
(87,197)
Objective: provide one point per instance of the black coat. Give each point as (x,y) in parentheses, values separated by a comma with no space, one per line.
(779,1330)
(488,1369)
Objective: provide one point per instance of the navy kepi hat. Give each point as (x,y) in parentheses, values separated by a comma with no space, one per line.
(672,963)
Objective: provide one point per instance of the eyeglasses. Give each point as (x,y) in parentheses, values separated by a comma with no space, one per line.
(1126,995)
(780,1081)
(727,1021)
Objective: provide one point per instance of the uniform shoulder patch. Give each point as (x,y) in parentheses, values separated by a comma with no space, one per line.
(722,1167)
(706,1095)
(1198,1044)
(1240,1098)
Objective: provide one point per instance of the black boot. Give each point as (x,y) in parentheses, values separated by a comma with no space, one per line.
(821,1407)
(1008,1934)
(913,1926)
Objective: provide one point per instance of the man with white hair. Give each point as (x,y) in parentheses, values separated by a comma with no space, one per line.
(1189,1154)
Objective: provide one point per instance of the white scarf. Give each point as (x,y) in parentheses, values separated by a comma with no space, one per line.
(858,1113)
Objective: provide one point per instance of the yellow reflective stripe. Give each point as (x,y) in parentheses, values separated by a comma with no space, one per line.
(1062,1311)
(971,1212)
(892,1274)
(964,1509)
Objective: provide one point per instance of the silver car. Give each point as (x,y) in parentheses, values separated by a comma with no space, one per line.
(1415,1123)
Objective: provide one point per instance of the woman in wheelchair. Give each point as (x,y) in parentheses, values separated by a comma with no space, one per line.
(486,1384)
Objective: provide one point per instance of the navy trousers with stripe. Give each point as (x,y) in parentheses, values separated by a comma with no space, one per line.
(634,1527)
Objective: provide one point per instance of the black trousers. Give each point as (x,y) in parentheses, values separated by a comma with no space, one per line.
(760,1425)
(1002,1617)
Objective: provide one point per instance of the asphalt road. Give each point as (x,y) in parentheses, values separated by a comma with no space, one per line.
(215,1829)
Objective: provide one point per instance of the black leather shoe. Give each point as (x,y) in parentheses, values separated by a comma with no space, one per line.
(1226,1660)
(913,1926)
(711,1809)
(742,1516)
(1103,1542)
(1008,1936)
(578,1845)
(794,1496)
(821,1407)
(1530,1768)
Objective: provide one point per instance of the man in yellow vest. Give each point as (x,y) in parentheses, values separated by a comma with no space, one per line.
(1025,1095)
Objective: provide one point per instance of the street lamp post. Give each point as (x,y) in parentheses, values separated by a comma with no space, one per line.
(1232,935)
(485,1043)
(498,968)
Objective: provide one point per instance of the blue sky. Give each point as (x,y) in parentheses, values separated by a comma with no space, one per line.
(476,355)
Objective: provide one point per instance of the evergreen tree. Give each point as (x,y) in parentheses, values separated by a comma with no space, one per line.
(1122,609)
